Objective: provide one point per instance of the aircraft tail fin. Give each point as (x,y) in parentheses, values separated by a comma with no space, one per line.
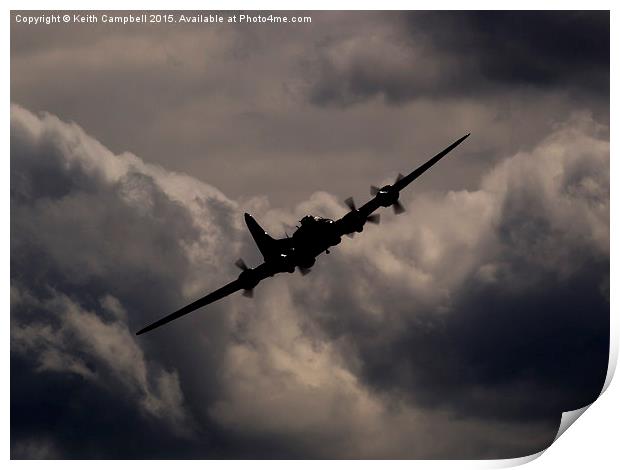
(264,241)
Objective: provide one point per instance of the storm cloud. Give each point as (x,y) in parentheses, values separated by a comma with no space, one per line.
(357,92)
(478,317)
(477,53)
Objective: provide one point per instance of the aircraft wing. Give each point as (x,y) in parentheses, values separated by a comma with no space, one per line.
(400,184)
(369,207)
(218,294)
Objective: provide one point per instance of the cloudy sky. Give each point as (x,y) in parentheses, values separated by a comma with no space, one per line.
(460,329)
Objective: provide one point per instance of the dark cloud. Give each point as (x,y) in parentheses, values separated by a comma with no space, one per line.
(531,48)
(444,55)
(95,236)
(226,101)
(467,327)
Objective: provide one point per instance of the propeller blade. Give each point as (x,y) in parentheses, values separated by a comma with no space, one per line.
(399,177)
(398,207)
(249,293)
(241,264)
(304,271)
(373,219)
(373,190)
(350,203)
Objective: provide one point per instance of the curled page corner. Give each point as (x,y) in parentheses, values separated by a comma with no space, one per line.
(517,461)
(568,418)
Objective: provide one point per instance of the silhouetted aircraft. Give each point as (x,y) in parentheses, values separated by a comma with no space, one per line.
(315,235)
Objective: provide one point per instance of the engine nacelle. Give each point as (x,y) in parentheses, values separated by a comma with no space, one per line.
(354,222)
(286,263)
(387,196)
(248,279)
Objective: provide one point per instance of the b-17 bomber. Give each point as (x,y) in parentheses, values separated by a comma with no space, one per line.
(314,236)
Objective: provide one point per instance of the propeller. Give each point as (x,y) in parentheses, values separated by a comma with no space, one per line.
(244,267)
(241,264)
(373,219)
(398,207)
